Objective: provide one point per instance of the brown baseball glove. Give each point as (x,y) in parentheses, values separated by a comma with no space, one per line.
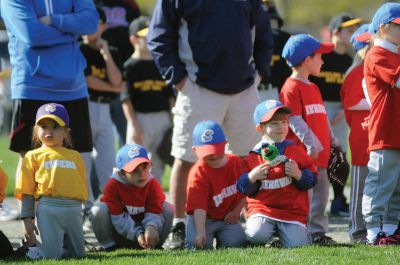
(338,167)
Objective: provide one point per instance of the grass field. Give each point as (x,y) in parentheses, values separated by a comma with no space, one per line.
(307,255)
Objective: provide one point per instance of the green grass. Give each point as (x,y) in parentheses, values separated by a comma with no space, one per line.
(309,255)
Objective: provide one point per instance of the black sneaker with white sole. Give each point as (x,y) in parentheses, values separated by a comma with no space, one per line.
(176,238)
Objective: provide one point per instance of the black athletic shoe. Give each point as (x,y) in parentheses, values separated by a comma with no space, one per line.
(176,238)
(323,240)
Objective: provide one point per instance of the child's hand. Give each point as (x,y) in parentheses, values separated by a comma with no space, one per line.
(200,239)
(314,156)
(151,237)
(232,217)
(141,241)
(103,46)
(45,20)
(292,170)
(259,172)
(30,231)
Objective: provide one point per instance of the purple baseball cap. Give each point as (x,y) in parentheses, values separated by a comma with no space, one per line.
(300,46)
(130,156)
(266,110)
(208,139)
(54,111)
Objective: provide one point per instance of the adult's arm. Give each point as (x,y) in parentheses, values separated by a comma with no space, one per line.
(263,43)
(21,21)
(82,21)
(162,40)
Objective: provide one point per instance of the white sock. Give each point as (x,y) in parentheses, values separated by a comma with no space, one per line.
(389,229)
(372,233)
(178,220)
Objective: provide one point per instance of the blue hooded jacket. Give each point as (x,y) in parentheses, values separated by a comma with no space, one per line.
(46,60)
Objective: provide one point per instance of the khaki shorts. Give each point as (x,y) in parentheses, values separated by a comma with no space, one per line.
(233,112)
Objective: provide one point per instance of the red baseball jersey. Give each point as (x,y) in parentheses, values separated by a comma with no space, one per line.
(305,100)
(351,94)
(121,197)
(381,72)
(214,189)
(278,197)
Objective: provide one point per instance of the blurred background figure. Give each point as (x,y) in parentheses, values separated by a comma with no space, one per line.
(280,71)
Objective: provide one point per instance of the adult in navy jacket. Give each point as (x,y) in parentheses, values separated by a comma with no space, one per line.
(214,53)
(47,64)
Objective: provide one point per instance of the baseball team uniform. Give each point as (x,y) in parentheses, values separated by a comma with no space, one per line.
(214,190)
(310,129)
(278,204)
(351,94)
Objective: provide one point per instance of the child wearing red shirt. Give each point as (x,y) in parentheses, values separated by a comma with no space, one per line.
(277,185)
(308,121)
(356,109)
(213,204)
(381,199)
(133,212)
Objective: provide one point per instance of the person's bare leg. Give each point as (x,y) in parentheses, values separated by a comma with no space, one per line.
(177,191)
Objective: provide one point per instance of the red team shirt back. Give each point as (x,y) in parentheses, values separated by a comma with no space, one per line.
(305,100)
(381,72)
(351,93)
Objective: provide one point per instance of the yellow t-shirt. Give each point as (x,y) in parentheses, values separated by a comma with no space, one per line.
(53,172)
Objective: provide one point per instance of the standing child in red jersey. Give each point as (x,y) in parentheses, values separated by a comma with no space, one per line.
(381,199)
(356,109)
(309,121)
(277,182)
(213,204)
(133,212)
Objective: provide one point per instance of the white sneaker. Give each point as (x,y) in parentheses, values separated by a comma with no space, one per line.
(7,214)
(33,253)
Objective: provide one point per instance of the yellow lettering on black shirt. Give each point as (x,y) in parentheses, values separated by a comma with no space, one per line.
(149,85)
(332,77)
(98,72)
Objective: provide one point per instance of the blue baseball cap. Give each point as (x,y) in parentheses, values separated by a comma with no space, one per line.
(300,46)
(361,37)
(130,156)
(266,110)
(388,12)
(54,111)
(208,139)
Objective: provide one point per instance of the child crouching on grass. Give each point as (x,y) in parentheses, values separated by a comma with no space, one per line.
(133,212)
(213,204)
(280,175)
(53,175)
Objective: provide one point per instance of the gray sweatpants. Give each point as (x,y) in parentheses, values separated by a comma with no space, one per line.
(357,231)
(261,230)
(381,199)
(227,235)
(60,227)
(108,236)
(318,220)
(104,145)
(341,129)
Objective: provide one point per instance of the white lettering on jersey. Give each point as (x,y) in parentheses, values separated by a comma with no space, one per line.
(275,183)
(134,210)
(315,108)
(225,193)
(59,163)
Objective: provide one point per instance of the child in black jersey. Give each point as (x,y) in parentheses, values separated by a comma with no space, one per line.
(148,100)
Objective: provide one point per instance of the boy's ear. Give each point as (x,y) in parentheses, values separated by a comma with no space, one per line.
(259,128)
(133,40)
(335,32)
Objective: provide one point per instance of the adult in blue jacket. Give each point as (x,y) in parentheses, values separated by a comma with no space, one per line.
(47,64)
(214,53)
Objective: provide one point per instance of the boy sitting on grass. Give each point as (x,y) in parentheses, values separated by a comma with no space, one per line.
(280,175)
